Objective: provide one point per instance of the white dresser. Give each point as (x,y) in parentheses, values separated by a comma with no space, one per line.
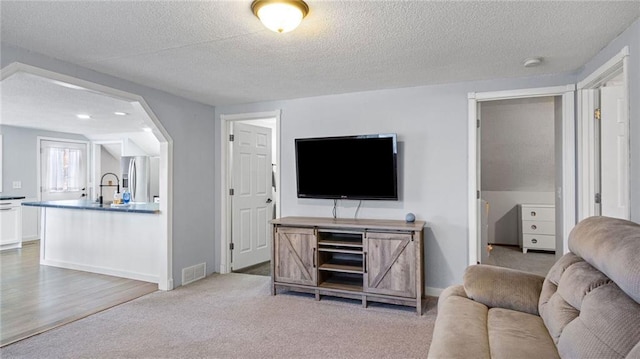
(537,227)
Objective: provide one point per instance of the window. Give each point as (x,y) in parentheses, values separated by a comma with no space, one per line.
(63,166)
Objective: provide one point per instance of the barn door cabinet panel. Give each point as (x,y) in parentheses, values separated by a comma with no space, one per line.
(370,260)
(295,255)
(390,264)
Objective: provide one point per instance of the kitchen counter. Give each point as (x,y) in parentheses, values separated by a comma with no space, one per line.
(90,205)
(99,238)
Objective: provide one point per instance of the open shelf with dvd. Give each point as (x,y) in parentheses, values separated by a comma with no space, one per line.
(340,260)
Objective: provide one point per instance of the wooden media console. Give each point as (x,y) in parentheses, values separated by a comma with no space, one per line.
(371,260)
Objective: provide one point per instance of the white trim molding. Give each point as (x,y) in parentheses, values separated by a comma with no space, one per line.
(606,71)
(521,93)
(433,292)
(568,157)
(473,254)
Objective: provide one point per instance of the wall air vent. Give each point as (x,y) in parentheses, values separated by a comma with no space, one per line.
(194,273)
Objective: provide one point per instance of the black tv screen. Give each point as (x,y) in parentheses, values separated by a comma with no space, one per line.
(360,167)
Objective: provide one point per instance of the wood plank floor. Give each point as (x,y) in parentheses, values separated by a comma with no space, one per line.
(35,298)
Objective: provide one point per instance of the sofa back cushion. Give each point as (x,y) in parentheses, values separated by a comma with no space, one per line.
(590,297)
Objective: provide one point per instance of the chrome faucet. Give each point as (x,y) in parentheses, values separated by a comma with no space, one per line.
(108,185)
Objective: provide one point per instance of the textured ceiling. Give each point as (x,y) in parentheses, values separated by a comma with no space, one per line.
(218,53)
(37,102)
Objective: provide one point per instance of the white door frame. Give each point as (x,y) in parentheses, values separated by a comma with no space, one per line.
(165,275)
(618,64)
(225,178)
(568,156)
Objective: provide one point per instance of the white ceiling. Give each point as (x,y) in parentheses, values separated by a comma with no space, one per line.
(218,53)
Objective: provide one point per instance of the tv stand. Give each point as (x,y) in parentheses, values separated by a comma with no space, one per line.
(366,259)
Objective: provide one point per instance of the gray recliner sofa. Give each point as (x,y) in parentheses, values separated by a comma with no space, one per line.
(586,307)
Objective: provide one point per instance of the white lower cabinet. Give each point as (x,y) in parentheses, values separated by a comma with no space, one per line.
(10,224)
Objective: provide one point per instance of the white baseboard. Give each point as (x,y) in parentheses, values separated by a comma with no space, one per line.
(433,292)
(101,270)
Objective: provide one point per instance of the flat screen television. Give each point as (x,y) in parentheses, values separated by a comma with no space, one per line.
(362,167)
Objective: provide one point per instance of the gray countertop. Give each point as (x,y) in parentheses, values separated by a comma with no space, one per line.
(90,205)
(6,198)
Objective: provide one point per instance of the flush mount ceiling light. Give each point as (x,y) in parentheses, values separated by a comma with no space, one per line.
(532,62)
(83,116)
(280,15)
(120,113)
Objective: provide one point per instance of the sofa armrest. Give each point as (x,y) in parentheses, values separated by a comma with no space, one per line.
(503,288)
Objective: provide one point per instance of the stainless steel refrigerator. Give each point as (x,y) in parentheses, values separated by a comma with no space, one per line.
(136,177)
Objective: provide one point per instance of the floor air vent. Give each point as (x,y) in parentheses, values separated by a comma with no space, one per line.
(193,273)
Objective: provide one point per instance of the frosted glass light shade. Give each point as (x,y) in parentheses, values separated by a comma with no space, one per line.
(280,15)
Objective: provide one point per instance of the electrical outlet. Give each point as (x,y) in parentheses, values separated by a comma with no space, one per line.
(17,184)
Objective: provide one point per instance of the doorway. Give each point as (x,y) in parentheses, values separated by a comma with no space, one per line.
(81,293)
(603,141)
(563,191)
(63,170)
(517,176)
(251,196)
(26,77)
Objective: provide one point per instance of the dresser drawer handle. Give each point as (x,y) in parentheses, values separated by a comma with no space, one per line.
(534,241)
(533,213)
(533,226)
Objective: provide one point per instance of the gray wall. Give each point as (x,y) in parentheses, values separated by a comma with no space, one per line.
(431,123)
(20,158)
(517,148)
(191,127)
(630,37)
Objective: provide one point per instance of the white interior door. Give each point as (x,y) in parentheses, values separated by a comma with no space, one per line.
(251,202)
(63,170)
(614,153)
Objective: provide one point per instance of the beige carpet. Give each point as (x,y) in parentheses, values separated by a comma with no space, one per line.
(234,316)
(537,262)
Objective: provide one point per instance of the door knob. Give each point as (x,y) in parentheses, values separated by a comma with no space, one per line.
(269,200)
